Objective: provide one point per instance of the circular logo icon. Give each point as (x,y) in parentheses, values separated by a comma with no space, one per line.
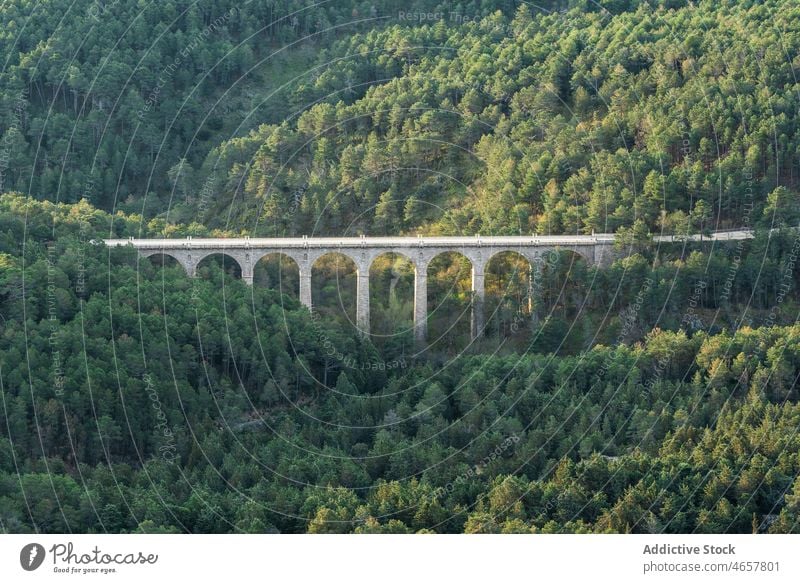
(31,556)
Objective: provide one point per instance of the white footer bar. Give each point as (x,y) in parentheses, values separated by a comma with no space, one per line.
(401,558)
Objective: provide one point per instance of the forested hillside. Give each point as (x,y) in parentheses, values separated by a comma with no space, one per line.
(101,100)
(658,394)
(137,399)
(494,116)
(669,120)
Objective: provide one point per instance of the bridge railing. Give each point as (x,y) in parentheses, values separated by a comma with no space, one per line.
(298,242)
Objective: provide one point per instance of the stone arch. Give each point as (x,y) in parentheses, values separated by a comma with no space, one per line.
(230,264)
(164,259)
(582,251)
(569,254)
(327,254)
(390,251)
(437,256)
(282,275)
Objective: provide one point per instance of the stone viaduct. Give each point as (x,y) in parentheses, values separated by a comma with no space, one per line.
(305,251)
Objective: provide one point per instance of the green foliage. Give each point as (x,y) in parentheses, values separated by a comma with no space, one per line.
(583,122)
(139,400)
(656,395)
(104,100)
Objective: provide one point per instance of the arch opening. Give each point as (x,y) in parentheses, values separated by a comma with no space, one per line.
(164,261)
(334,287)
(219,263)
(392,303)
(509,296)
(278,271)
(449,301)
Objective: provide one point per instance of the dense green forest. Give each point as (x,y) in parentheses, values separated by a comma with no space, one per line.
(137,399)
(356,115)
(656,395)
(102,99)
(669,121)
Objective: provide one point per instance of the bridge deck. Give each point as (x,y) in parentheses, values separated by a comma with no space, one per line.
(356,242)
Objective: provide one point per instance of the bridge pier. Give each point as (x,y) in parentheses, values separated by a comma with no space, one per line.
(189,264)
(246,265)
(530,288)
(305,286)
(362,300)
(537,262)
(478,301)
(421,303)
